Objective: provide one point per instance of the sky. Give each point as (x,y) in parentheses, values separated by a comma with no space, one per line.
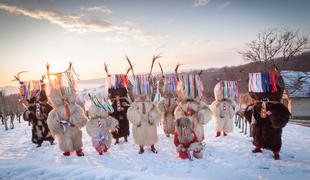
(196,33)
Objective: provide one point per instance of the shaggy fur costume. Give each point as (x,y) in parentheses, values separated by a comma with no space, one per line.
(223,113)
(185,139)
(144,116)
(99,127)
(267,131)
(120,104)
(70,139)
(197,111)
(36,114)
(167,107)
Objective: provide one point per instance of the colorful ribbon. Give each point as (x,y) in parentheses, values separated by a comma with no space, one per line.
(229,89)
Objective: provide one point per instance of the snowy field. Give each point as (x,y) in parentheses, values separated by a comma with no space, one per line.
(225,158)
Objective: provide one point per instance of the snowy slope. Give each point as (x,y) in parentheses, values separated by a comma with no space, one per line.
(225,158)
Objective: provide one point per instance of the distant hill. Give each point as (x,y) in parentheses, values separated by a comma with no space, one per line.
(92,81)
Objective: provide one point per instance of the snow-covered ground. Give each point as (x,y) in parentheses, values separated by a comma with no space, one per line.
(225,158)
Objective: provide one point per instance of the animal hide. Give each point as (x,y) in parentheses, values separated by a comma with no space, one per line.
(267,131)
(99,127)
(40,130)
(70,139)
(223,113)
(197,111)
(167,107)
(120,112)
(185,139)
(144,116)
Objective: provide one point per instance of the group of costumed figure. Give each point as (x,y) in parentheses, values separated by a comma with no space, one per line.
(177,100)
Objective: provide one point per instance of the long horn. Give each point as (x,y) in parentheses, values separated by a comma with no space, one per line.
(176,71)
(153,61)
(128,70)
(42,78)
(131,67)
(161,70)
(47,68)
(106,69)
(48,73)
(17,77)
(70,66)
(200,73)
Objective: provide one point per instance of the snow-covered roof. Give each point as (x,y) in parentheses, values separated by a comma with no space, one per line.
(297,84)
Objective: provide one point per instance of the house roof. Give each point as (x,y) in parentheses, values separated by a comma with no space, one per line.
(297,84)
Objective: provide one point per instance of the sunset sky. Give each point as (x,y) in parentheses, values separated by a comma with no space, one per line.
(196,33)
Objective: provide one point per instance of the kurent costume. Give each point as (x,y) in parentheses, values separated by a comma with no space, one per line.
(224,107)
(67,118)
(118,94)
(144,114)
(267,115)
(186,141)
(100,125)
(33,97)
(168,104)
(190,91)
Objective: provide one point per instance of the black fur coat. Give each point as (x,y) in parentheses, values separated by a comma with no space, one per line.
(40,130)
(120,111)
(267,131)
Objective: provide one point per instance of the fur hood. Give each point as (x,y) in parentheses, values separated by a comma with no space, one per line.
(56,100)
(96,112)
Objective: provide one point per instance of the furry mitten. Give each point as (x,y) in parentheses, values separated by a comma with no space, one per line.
(180,148)
(195,147)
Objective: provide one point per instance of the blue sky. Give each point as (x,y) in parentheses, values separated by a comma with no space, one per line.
(196,33)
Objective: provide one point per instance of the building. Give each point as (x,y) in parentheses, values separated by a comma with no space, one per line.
(297,93)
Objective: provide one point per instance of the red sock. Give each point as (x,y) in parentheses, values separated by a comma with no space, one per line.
(105,149)
(276,153)
(218,133)
(66,153)
(79,151)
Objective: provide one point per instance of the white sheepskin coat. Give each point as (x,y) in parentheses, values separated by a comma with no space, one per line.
(223,113)
(144,125)
(201,115)
(107,123)
(70,140)
(168,114)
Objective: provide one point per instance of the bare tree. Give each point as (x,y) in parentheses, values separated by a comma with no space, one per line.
(273,44)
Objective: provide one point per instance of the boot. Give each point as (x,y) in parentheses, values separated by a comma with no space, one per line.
(167,135)
(276,155)
(225,134)
(153,149)
(257,150)
(79,152)
(52,142)
(141,151)
(105,149)
(126,140)
(116,141)
(218,133)
(66,153)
